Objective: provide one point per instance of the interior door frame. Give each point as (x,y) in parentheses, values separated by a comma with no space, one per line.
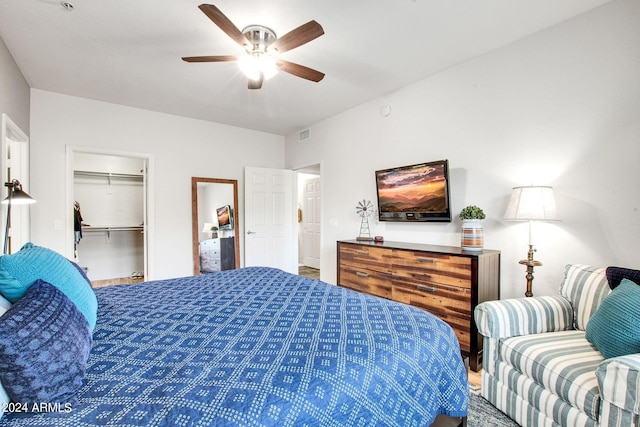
(303,250)
(149,202)
(315,169)
(11,131)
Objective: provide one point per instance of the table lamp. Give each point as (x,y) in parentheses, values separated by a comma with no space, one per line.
(208,228)
(533,203)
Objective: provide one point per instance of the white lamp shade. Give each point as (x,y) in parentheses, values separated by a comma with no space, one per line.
(207,227)
(534,203)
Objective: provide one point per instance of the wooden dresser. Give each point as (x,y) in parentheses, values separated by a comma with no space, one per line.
(443,280)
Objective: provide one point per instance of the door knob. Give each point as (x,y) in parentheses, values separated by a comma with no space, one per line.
(251,232)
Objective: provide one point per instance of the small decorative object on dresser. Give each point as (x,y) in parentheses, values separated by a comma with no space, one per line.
(364,209)
(211,229)
(443,280)
(472,231)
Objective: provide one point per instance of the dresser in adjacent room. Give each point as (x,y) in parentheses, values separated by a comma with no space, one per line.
(443,280)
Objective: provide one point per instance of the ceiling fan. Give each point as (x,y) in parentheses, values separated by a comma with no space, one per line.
(262,45)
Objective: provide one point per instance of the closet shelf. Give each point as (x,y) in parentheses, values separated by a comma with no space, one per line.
(138,177)
(109,229)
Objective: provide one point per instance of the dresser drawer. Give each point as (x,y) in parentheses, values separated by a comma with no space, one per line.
(450,303)
(433,268)
(367,281)
(368,257)
(435,298)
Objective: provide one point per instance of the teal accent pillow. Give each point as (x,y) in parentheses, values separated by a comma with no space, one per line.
(21,270)
(614,329)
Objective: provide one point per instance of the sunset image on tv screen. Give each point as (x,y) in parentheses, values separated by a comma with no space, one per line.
(419,189)
(223,216)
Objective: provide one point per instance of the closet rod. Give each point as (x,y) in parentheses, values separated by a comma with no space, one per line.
(108,174)
(117,228)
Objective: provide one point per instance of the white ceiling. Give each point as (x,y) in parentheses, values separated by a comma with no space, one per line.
(129,51)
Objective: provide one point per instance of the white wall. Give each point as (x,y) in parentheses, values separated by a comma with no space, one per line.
(560,108)
(181,148)
(14,90)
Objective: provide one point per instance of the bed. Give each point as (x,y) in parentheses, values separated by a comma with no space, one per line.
(260,347)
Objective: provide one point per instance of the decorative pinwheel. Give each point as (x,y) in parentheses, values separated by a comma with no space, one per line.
(364,209)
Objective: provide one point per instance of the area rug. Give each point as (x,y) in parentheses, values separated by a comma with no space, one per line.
(484,414)
(305,271)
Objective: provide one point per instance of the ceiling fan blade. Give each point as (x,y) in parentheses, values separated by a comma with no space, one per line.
(297,37)
(300,70)
(216,58)
(256,84)
(225,24)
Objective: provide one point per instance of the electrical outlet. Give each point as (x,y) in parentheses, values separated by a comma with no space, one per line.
(58,224)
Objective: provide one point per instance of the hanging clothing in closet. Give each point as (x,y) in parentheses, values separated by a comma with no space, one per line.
(77,222)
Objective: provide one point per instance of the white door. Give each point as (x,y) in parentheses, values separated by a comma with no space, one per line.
(311,223)
(269,211)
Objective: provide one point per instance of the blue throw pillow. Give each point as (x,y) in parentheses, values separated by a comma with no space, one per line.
(44,347)
(21,270)
(616,274)
(4,397)
(614,329)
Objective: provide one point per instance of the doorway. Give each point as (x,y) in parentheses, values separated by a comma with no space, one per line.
(271,225)
(108,216)
(15,166)
(309,221)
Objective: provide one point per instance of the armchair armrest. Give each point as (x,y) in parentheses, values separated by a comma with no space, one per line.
(619,382)
(523,316)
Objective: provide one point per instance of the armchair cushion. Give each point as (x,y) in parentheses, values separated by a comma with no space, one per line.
(615,327)
(585,287)
(619,381)
(563,362)
(523,316)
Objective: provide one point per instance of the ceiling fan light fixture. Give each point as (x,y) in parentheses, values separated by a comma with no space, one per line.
(253,66)
(268,66)
(261,46)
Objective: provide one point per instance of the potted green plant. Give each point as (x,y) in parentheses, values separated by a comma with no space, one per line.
(472,212)
(472,231)
(214,232)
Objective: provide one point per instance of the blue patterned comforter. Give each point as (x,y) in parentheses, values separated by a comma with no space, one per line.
(261,347)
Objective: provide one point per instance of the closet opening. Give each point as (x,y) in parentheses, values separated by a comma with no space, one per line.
(108,205)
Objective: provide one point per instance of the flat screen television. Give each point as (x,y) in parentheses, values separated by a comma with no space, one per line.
(415,193)
(225,217)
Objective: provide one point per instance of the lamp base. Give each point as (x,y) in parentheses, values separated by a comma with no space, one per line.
(530,263)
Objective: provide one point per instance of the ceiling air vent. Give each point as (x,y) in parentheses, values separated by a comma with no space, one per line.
(304,135)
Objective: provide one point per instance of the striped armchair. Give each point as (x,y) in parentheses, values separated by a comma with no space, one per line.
(540,370)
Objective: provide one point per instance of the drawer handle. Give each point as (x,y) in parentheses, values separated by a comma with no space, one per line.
(360,251)
(426,288)
(422,259)
(361,274)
